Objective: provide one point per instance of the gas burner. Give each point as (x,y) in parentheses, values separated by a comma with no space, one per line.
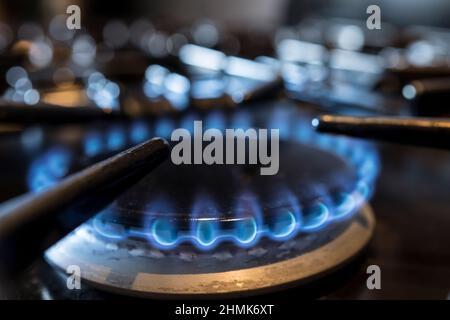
(89,181)
(211,205)
(228,222)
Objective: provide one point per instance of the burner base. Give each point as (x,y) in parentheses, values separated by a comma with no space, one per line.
(139,270)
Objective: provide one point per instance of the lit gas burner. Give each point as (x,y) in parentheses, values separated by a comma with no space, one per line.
(226,229)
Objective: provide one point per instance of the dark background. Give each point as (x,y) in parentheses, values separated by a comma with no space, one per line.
(250,13)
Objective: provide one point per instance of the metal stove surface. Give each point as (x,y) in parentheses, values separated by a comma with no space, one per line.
(394,247)
(288,230)
(311,204)
(135,268)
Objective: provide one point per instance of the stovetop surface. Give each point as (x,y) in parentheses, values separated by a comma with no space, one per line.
(409,244)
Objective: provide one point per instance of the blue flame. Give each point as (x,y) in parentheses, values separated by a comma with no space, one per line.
(315,216)
(242,120)
(164,127)
(116,139)
(49,169)
(187,122)
(206,232)
(164,232)
(159,228)
(344,204)
(287,220)
(140,131)
(286,217)
(93,144)
(248,223)
(246,230)
(204,225)
(215,120)
(108,230)
(280,119)
(284,225)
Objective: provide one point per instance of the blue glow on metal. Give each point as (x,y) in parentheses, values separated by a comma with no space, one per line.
(208,88)
(103,92)
(177,84)
(201,57)
(160,82)
(178,101)
(156,74)
(249,69)
(154,81)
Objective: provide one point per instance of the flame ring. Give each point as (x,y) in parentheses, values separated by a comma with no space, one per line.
(205,235)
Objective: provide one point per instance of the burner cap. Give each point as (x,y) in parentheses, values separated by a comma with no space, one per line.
(206,205)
